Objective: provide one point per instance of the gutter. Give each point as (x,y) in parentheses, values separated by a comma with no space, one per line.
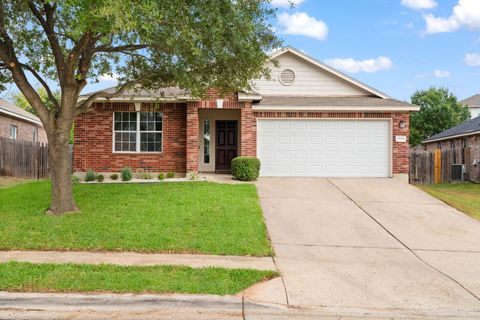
(18,116)
(452,137)
(334,108)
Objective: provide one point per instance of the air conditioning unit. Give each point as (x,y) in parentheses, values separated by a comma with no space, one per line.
(458,172)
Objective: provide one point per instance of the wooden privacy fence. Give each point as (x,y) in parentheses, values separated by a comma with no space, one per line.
(428,167)
(23,159)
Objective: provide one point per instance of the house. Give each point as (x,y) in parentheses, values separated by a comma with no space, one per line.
(307,120)
(18,124)
(474,103)
(465,135)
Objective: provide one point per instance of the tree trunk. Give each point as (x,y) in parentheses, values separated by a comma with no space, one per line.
(60,173)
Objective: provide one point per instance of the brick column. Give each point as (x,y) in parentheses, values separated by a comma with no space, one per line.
(401,149)
(248,131)
(192,138)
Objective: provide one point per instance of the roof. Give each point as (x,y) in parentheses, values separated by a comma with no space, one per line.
(14,111)
(473,101)
(332,103)
(465,129)
(329,69)
(167,92)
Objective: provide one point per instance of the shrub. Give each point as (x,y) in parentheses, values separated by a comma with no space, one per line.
(75,179)
(126,174)
(144,175)
(170,175)
(90,176)
(100,178)
(114,176)
(161,176)
(246,168)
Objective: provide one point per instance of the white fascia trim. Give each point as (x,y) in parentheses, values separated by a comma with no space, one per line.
(473,133)
(335,108)
(331,70)
(249,97)
(18,116)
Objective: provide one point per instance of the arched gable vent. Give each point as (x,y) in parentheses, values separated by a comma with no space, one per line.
(287,77)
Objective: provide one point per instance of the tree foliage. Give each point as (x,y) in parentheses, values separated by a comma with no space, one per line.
(439,111)
(194,44)
(19,99)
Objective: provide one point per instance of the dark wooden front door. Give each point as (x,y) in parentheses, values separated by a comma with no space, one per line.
(226,144)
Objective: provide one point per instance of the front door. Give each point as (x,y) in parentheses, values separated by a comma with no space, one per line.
(226,144)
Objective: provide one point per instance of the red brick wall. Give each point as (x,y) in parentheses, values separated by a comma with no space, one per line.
(93,141)
(24,129)
(400,149)
(192,138)
(248,131)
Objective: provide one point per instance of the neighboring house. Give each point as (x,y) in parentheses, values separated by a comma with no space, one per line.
(18,124)
(465,135)
(474,103)
(307,120)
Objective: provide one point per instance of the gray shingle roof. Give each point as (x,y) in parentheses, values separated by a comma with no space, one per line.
(291,101)
(473,101)
(9,108)
(139,92)
(470,127)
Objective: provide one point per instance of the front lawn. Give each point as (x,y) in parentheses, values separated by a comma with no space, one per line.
(462,196)
(21,276)
(184,217)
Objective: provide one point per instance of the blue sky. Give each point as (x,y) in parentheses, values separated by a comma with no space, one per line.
(395,46)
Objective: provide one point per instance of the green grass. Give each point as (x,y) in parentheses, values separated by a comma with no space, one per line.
(463,196)
(22,276)
(189,217)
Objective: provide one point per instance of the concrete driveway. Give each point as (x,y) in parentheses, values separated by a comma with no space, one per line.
(370,247)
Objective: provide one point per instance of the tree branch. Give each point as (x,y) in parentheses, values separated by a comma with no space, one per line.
(129,47)
(44,84)
(48,26)
(84,105)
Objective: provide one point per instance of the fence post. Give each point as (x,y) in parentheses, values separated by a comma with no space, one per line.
(438,166)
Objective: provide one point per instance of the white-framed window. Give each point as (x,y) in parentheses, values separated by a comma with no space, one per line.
(13,132)
(35,134)
(137,132)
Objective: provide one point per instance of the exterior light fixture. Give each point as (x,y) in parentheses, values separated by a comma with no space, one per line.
(219,103)
(402,124)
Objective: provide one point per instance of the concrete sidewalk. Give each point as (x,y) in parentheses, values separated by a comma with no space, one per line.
(139,259)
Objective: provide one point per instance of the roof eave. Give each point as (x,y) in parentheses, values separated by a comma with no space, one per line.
(23,118)
(466,134)
(337,108)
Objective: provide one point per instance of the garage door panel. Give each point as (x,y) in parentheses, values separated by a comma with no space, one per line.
(337,148)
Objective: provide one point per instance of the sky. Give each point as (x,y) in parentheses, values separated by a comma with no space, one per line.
(395,46)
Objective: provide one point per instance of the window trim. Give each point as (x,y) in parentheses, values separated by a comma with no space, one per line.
(138,133)
(12,126)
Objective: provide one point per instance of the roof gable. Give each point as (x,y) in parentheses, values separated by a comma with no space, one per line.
(473,101)
(312,78)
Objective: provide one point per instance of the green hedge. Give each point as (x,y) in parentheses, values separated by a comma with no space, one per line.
(246,168)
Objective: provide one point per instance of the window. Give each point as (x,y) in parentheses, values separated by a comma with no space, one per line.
(13,132)
(35,135)
(206,141)
(138,131)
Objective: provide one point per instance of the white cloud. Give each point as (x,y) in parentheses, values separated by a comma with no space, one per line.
(472,59)
(286,3)
(109,77)
(353,66)
(300,23)
(441,74)
(419,4)
(465,14)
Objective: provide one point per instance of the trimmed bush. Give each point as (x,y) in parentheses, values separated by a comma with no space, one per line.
(114,176)
(144,175)
(75,179)
(161,176)
(100,178)
(126,174)
(90,176)
(170,175)
(246,168)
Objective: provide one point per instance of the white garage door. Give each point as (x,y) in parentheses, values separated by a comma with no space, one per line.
(324,148)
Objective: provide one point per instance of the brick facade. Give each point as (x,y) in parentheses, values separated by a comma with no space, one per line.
(24,129)
(93,135)
(93,141)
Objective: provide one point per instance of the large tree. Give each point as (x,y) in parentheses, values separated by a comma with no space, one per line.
(193,44)
(439,111)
